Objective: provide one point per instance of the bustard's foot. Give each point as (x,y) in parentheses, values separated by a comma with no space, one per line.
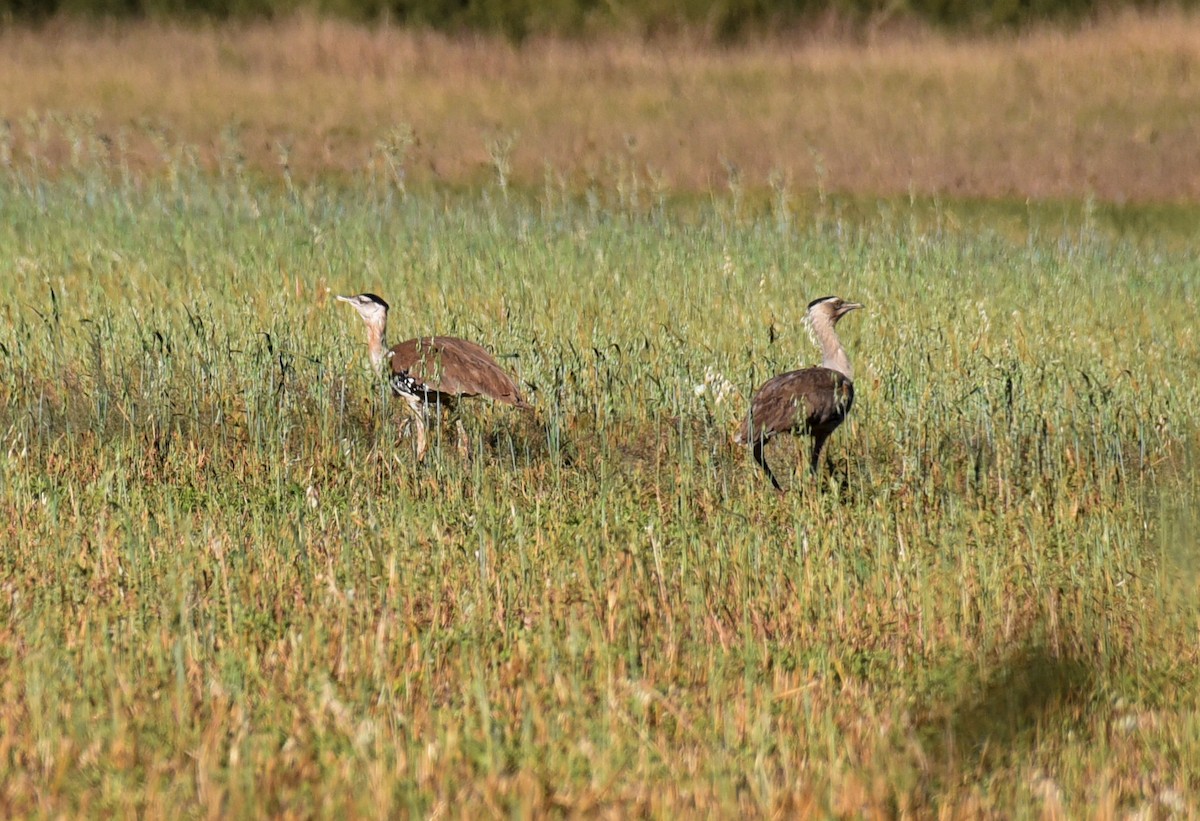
(841,477)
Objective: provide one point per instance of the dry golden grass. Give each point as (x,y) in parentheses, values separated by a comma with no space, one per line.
(1110,111)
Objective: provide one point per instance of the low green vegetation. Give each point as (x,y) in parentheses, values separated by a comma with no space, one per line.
(227,588)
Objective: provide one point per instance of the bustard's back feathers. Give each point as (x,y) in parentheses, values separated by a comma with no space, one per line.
(455,367)
(812,400)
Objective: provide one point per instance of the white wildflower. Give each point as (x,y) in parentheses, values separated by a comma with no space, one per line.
(727,267)
(715,382)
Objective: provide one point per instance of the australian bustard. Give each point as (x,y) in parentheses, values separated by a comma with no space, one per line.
(432,371)
(811,401)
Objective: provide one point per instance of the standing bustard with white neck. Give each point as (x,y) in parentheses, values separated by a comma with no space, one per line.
(811,401)
(433,371)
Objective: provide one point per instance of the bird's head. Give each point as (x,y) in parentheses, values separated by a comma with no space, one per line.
(831,308)
(370,307)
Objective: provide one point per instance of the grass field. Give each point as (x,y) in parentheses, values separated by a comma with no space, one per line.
(1109,112)
(227,589)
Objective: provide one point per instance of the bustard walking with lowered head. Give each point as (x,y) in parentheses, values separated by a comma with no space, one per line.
(433,372)
(811,401)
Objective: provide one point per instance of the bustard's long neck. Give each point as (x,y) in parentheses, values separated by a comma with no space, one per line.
(377,342)
(833,355)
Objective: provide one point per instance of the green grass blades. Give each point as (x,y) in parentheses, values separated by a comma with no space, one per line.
(227,588)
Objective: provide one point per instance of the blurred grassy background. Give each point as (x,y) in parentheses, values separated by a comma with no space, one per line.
(713,21)
(1108,112)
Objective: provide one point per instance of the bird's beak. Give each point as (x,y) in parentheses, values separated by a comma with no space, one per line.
(343,298)
(847,307)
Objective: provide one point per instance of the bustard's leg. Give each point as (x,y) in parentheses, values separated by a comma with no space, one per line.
(422,441)
(814,464)
(419,412)
(761,458)
(464,449)
(449,412)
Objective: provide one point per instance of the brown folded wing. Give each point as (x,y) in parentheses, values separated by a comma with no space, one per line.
(455,367)
(809,401)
